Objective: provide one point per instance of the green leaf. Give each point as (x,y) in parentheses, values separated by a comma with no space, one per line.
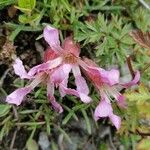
(144,144)
(15,33)
(30,123)
(88,124)
(23,19)
(4,109)
(141,96)
(66,4)
(72,112)
(26,5)
(54,145)
(48,127)
(31,145)
(24,28)
(25,112)
(4,3)
(65,134)
(28,19)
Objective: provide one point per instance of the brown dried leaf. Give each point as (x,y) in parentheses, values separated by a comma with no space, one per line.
(143,39)
(7,51)
(12,11)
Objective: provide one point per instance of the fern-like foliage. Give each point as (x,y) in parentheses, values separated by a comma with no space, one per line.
(140,96)
(109,38)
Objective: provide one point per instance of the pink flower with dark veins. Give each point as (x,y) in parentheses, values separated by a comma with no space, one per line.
(107,83)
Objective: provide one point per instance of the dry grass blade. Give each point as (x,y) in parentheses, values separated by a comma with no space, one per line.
(143,39)
(129,60)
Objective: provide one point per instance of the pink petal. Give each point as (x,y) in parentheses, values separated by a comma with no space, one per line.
(71,46)
(61,73)
(55,104)
(85,98)
(17,96)
(49,54)
(51,36)
(98,74)
(66,68)
(61,87)
(81,85)
(104,109)
(121,101)
(134,81)
(45,66)
(90,62)
(116,120)
(50,95)
(111,77)
(20,70)
(80,81)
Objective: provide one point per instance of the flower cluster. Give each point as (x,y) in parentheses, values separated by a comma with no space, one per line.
(59,61)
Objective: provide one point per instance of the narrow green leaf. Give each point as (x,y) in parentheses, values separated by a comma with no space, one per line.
(88,125)
(30,123)
(65,134)
(15,33)
(48,127)
(4,3)
(28,111)
(71,113)
(66,4)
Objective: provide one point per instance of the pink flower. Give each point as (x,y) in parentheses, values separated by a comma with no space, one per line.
(43,76)
(54,72)
(107,84)
(104,109)
(69,54)
(17,96)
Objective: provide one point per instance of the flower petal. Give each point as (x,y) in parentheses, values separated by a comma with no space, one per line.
(71,46)
(20,70)
(61,87)
(90,62)
(121,101)
(17,96)
(51,36)
(84,98)
(80,81)
(45,66)
(116,120)
(61,73)
(49,54)
(134,81)
(104,109)
(50,95)
(55,104)
(111,77)
(81,85)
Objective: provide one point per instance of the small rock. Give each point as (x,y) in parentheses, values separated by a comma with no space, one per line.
(43,141)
